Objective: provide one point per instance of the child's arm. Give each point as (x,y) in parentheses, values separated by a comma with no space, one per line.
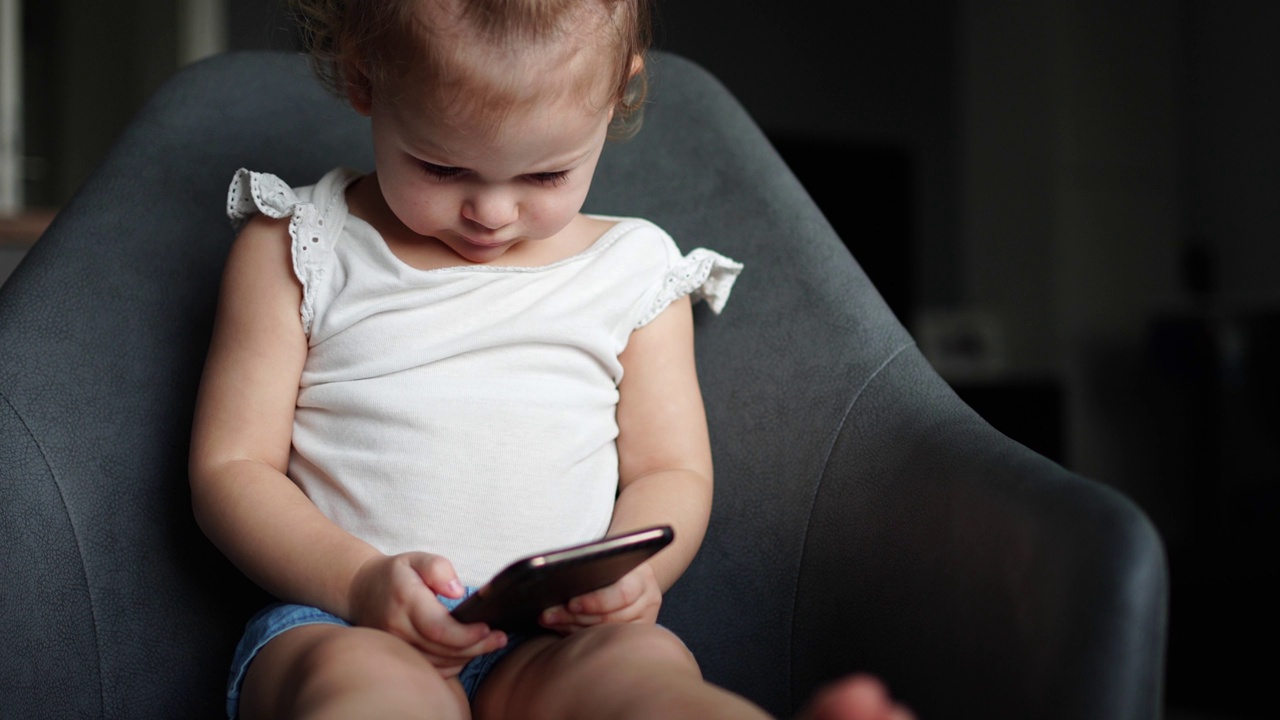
(664,465)
(240,450)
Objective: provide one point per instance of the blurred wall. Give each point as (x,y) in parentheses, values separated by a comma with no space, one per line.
(1083,168)
(873,74)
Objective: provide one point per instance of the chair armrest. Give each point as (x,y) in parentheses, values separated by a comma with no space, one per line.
(977,577)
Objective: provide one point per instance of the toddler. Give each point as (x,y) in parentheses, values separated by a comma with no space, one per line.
(422,373)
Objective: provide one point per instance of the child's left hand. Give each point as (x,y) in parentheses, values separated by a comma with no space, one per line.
(636,598)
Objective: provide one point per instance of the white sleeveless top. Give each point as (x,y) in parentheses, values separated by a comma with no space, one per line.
(466,411)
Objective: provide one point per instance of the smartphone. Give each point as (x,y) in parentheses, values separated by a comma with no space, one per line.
(517,595)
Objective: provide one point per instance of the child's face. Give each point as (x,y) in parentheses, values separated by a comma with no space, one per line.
(481,193)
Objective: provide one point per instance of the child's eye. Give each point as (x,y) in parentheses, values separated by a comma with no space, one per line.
(440,172)
(550,179)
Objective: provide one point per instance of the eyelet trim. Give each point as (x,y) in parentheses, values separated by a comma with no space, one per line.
(253,192)
(702,275)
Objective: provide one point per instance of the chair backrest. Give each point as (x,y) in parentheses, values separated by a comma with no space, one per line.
(844,465)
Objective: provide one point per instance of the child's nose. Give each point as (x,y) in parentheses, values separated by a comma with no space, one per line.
(492,209)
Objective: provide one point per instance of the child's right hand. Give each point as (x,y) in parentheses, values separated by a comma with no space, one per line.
(397,593)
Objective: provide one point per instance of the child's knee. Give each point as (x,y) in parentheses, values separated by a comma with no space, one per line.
(633,644)
(346,662)
(360,654)
(596,671)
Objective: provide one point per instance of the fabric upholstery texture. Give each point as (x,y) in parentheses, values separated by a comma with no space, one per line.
(865,518)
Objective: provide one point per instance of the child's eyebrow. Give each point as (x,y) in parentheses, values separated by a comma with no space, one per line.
(570,162)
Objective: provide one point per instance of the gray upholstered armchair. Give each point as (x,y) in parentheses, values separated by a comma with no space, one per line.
(865,518)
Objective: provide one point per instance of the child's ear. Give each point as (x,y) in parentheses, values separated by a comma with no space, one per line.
(359,87)
(632,90)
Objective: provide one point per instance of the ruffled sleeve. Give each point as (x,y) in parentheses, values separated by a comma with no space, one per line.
(254,192)
(702,275)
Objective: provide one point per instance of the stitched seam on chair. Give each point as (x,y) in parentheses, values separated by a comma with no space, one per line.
(813,499)
(75,533)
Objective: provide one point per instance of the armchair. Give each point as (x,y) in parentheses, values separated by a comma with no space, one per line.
(865,518)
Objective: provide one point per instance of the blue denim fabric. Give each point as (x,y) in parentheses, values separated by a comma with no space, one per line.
(279,617)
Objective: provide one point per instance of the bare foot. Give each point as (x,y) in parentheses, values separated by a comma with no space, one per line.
(857,697)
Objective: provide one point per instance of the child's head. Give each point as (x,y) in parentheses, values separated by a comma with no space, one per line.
(475,61)
(488,116)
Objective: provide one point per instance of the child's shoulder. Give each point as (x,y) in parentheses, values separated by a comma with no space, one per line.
(648,250)
(628,222)
(633,232)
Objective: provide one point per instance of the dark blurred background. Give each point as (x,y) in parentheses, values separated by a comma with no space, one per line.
(1073,204)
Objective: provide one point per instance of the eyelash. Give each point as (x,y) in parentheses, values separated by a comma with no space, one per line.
(551,179)
(440,172)
(546,179)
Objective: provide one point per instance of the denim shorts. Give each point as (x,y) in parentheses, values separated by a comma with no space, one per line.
(279,617)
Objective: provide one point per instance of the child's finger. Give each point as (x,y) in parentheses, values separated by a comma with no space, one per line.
(562,621)
(443,656)
(439,632)
(560,617)
(456,650)
(607,599)
(634,598)
(438,574)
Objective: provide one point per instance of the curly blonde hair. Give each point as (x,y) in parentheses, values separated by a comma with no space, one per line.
(376,41)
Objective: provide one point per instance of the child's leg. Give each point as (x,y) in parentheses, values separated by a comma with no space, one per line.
(332,671)
(610,671)
(642,671)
